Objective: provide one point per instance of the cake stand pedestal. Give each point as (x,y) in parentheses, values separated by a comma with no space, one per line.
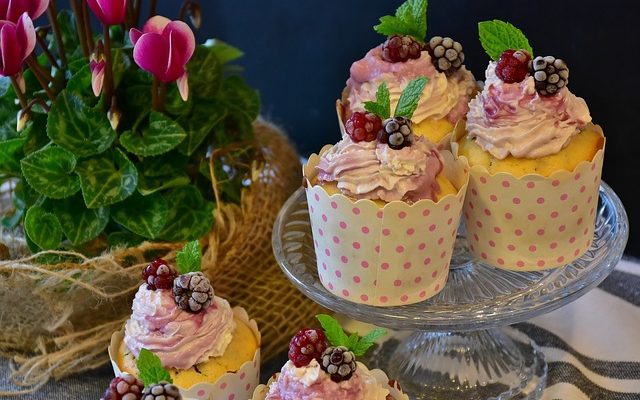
(459,345)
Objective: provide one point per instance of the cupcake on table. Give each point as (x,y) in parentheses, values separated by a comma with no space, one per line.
(535,158)
(323,365)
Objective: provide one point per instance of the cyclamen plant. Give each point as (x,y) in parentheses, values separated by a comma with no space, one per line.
(106,139)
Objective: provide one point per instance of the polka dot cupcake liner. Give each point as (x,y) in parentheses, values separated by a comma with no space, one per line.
(533,222)
(385,256)
(239,385)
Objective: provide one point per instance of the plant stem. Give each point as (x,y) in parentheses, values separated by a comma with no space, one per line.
(108,70)
(183,10)
(40,102)
(75,6)
(45,49)
(152,7)
(137,5)
(53,20)
(44,73)
(154,94)
(37,71)
(87,26)
(16,88)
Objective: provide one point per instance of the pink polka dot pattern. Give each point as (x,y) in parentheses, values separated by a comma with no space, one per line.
(542,223)
(386,245)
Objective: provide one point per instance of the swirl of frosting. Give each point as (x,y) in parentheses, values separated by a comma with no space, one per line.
(311,383)
(512,118)
(370,170)
(179,338)
(442,97)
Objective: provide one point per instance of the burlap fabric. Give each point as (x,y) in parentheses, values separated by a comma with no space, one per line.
(56,320)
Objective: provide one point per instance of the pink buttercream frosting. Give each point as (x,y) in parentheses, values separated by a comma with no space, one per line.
(312,383)
(371,170)
(179,338)
(443,97)
(512,118)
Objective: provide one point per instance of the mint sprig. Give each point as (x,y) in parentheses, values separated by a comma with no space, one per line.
(355,343)
(150,369)
(410,97)
(410,19)
(382,106)
(189,259)
(497,36)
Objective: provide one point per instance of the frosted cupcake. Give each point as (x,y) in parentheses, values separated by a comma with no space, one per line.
(385,207)
(322,365)
(535,159)
(406,55)
(206,346)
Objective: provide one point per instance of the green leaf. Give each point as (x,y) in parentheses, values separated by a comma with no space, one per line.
(142,215)
(78,128)
(163,172)
(123,239)
(205,73)
(243,105)
(79,223)
(410,96)
(80,85)
(367,341)
(107,179)
(382,106)
(224,51)
(68,31)
(199,125)
(43,228)
(10,153)
(189,259)
(332,329)
(410,19)
(497,36)
(8,119)
(152,184)
(162,135)
(189,217)
(150,369)
(50,172)
(352,341)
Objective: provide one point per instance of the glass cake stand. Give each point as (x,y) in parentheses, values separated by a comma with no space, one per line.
(458,346)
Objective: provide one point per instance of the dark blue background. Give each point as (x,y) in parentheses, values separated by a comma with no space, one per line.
(298,54)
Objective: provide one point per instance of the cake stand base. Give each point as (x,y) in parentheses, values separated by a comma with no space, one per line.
(483,365)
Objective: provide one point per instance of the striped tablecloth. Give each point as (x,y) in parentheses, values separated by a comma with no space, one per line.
(592,346)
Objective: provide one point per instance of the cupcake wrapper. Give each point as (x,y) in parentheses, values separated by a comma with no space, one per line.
(533,222)
(239,385)
(394,255)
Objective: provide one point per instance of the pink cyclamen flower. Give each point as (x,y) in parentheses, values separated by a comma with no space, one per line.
(97,64)
(164,48)
(109,12)
(12,10)
(17,42)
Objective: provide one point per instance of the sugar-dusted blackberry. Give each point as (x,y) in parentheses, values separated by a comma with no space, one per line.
(550,74)
(307,345)
(400,49)
(159,275)
(363,126)
(396,132)
(161,391)
(513,66)
(193,292)
(446,54)
(339,363)
(125,387)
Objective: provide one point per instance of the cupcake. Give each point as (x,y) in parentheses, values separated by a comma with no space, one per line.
(322,365)
(535,158)
(406,55)
(384,207)
(207,347)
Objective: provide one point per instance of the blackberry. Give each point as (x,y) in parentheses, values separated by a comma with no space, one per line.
(446,54)
(513,66)
(125,387)
(339,363)
(159,275)
(400,49)
(396,132)
(193,292)
(161,391)
(550,74)
(307,345)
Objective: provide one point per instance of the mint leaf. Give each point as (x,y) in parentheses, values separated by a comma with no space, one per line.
(409,98)
(367,341)
(497,36)
(332,329)
(189,259)
(150,369)
(382,106)
(410,19)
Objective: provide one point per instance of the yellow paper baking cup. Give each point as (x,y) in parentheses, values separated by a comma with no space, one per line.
(384,256)
(532,222)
